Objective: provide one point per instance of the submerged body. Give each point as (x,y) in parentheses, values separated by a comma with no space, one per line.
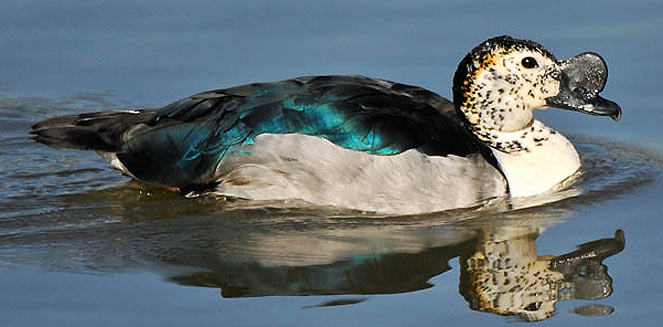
(357,142)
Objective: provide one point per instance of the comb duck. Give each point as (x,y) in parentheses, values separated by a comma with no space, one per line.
(357,142)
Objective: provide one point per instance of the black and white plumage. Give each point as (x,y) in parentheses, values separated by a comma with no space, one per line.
(359,142)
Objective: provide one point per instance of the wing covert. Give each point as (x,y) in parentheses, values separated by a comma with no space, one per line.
(184,141)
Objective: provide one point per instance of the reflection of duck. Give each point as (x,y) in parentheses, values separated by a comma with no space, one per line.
(500,270)
(505,275)
(260,252)
(358,142)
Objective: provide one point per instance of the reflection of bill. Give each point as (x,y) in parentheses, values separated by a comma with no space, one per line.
(506,275)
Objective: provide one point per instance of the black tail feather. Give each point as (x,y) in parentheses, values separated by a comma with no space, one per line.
(100,131)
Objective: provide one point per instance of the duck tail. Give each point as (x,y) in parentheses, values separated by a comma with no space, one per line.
(99,131)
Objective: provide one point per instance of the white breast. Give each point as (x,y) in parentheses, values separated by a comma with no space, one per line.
(294,166)
(545,166)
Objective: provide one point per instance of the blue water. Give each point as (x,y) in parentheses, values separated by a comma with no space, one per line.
(82,245)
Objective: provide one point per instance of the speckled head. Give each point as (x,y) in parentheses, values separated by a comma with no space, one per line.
(500,82)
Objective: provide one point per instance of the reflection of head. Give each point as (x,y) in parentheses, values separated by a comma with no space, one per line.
(507,277)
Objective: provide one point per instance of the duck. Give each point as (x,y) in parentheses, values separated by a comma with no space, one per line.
(356,142)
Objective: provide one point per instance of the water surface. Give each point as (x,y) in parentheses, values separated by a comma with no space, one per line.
(82,244)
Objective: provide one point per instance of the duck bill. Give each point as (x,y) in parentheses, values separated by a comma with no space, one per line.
(582,78)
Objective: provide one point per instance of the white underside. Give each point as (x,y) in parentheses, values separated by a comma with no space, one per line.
(295,166)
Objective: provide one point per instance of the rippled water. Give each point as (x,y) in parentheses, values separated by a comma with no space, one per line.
(68,211)
(80,244)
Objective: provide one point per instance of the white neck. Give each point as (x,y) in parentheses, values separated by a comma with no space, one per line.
(542,160)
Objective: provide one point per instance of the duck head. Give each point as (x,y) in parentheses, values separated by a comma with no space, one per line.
(501,81)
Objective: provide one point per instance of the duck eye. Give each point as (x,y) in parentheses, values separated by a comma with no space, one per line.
(529,62)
